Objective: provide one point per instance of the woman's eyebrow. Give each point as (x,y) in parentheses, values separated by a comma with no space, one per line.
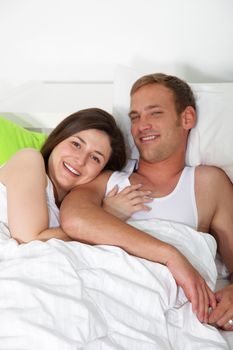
(80,139)
(83,141)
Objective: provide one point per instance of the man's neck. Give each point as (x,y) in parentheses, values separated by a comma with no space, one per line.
(162,171)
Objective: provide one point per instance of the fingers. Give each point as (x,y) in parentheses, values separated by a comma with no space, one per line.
(140,200)
(208,300)
(132,192)
(203,304)
(227,326)
(201,298)
(220,316)
(223,312)
(136,197)
(138,194)
(212,299)
(131,188)
(199,303)
(139,207)
(113,191)
(194,301)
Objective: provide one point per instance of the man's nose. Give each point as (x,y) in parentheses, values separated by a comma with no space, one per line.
(144,123)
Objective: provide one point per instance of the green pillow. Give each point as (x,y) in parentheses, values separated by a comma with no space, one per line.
(14,137)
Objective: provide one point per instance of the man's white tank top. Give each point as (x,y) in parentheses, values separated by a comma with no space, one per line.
(179,205)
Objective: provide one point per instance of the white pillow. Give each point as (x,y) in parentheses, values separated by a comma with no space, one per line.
(210,142)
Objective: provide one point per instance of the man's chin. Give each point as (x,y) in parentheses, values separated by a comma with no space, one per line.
(149,157)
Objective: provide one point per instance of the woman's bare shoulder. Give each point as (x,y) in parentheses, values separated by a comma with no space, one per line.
(27,159)
(25,154)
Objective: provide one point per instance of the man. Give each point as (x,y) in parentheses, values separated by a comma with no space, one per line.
(162,113)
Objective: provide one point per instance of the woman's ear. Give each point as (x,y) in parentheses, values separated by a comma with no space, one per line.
(188,118)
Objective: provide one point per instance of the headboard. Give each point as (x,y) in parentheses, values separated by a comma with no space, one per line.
(41,105)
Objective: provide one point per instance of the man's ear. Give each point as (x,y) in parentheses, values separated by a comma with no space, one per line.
(189,118)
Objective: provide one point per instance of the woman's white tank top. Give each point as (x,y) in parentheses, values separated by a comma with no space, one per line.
(52,208)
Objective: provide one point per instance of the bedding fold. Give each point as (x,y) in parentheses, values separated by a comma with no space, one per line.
(68,295)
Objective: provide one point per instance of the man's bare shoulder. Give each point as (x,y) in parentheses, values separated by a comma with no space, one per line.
(213,188)
(212,180)
(210,174)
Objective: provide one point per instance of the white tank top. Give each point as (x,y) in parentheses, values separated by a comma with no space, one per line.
(52,207)
(179,205)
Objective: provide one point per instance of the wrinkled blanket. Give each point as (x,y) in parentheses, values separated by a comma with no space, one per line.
(59,295)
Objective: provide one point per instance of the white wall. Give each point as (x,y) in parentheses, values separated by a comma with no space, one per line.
(86,39)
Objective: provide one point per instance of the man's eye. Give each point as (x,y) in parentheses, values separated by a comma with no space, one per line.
(156,113)
(134,117)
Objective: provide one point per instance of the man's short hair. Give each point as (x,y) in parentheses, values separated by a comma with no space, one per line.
(182,92)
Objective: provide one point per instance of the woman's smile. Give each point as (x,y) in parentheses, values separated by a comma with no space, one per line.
(71,169)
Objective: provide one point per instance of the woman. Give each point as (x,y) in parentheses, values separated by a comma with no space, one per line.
(33,184)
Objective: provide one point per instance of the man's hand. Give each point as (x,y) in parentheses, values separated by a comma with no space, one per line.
(224,310)
(194,286)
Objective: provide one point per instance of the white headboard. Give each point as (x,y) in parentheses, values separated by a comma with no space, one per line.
(43,104)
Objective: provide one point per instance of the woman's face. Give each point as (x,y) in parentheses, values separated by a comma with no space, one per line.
(78,160)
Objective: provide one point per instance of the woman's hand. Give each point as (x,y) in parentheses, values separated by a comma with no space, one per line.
(194,286)
(126,202)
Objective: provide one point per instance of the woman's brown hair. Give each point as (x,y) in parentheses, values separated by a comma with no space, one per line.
(91,118)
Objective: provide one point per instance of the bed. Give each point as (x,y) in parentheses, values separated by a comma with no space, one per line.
(68,295)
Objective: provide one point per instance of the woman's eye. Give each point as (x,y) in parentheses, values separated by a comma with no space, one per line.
(76,144)
(96,159)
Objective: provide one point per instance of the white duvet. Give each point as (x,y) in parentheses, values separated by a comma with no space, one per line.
(62,296)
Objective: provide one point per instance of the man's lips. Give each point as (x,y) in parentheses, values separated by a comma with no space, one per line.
(71,169)
(148,138)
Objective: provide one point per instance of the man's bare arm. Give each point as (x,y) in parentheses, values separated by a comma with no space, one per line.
(214,195)
(221,226)
(217,194)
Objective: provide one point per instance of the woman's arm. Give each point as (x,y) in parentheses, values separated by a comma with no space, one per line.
(83,219)
(25,179)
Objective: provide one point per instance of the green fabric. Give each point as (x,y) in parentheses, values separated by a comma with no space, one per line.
(14,137)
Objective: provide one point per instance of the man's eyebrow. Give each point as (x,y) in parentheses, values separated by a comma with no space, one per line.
(152,106)
(83,141)
(147,108)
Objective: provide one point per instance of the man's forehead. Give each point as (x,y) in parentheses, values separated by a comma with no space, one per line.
(147,107)
(151,95)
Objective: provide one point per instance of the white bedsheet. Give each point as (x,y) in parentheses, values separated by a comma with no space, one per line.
(62,296)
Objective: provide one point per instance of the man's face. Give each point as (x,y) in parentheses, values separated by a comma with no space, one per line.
(155,125)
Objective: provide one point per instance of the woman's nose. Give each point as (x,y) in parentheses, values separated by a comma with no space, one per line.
(81,158)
